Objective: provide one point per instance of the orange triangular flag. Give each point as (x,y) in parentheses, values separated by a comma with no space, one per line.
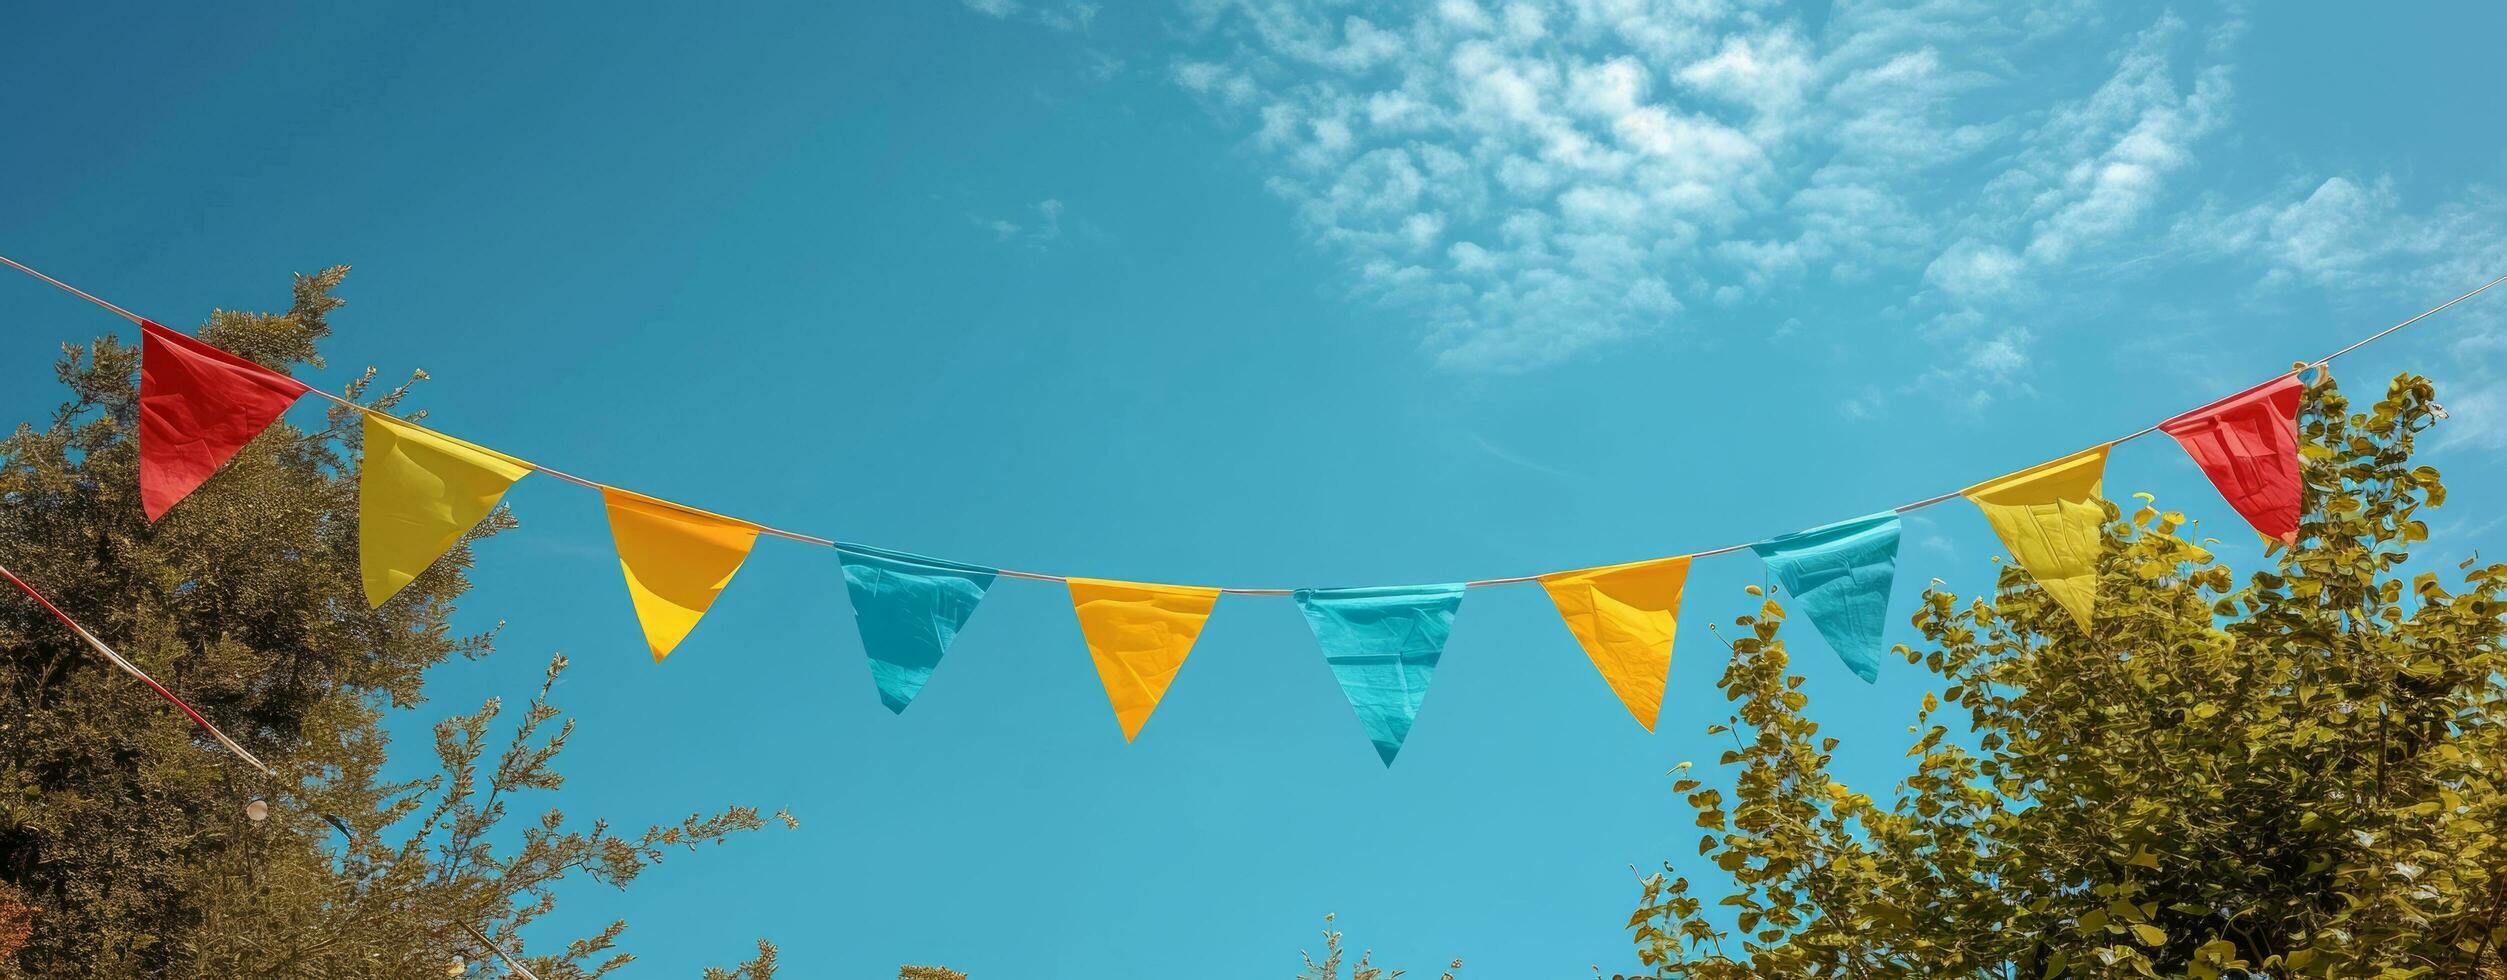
(1625,615)
(677,559)
(1139,635)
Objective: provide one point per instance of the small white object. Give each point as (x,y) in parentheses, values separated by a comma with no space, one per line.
(257,810)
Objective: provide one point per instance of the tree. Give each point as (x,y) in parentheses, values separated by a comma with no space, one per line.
(123,833)
(2292,777)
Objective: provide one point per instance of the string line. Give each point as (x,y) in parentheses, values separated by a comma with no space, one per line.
(133,670)
(229,744)
(1472,584)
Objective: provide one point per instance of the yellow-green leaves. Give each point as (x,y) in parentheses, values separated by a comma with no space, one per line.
(2294,771)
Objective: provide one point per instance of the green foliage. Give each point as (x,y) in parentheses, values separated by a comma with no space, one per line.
(125,849)
(1364,969)
(761,968)
(2296,777)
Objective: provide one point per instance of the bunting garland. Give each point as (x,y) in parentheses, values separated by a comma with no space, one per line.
(198,405)
(1626,617)
(676,560)
(2048,515)
(908,608)
(420,491)
(1139,635)
(1383,645)
(1840,576)
(2247,443)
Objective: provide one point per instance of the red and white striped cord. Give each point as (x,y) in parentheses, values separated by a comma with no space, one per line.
(127,667)
(132,669)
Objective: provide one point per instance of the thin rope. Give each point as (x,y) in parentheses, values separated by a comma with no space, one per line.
(510,963)
(1472,584)
(132,669)
(229,744)
(134,318)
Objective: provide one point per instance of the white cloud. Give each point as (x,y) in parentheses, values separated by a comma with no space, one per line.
(1044,228)
(2116,150)
(1982,371)
(1999,357)
(1532,180)
(1972,270)
(2348,234)
(2474,387)
(2476,418)
(1508,456)
(1770,74)
(1060,17)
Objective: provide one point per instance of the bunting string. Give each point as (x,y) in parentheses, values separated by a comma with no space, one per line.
(422,490)
(1483,583)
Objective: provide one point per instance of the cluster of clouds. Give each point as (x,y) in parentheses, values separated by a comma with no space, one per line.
(1541,177)
(1531,181)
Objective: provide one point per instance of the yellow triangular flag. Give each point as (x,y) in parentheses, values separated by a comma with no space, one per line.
(2048,515)
(418,491)
(1626,616)
(1139,634)
(677,559)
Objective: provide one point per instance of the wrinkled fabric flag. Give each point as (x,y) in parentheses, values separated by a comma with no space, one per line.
(2247,444)
(1383,644)
(2048,515)
(1139,634)
(676,560)
(198,405)
(419,491)
(908,608)
(1840,576)
(1626,617)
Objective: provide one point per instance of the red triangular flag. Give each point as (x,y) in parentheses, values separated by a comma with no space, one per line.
(197,406)
(2247,443)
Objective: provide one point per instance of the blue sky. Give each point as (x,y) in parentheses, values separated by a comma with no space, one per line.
(1250,292)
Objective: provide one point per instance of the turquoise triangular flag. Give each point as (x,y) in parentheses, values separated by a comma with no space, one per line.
(908,608)
(1383,645)
(1839,576)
